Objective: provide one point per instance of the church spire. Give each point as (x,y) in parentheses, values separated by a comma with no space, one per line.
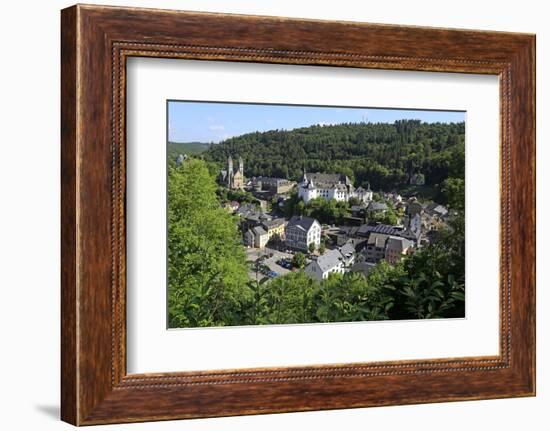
(241,165)
(230,172)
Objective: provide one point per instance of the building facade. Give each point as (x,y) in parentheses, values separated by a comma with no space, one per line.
(332,262)
(261,237)
(275,227)
(302,231)
(275,185)
(383,246)
(331,186)
(396,249)
(233,179)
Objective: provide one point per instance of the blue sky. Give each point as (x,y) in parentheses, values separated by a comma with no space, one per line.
(214,122)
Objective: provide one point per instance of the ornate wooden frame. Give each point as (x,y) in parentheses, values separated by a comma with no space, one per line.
(96,41)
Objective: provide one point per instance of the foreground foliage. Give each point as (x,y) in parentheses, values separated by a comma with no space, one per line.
(207,271)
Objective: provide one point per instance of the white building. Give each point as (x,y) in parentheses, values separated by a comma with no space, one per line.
(331,186)
(257,236)
(337,261)
(348,254)
(332,262)
(302,231)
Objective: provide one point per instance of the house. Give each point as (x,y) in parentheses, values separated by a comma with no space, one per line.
(330,186)
(245,209)
(375,249)
(275,227)
(248,238)
(362,195)
(363,267)
(396,248)
(251,217)
(277,186)
(348,253)
(415,226)
(383,245)
(358,210)
(376,208)
(332,262)
(352,221)
(255,237)
(414,207)
(436,210)
(260,236)
(367,229)
(232,206)
(393,197)
(302,231)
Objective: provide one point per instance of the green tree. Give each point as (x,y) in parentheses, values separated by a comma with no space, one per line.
(289,299)
(207,270)
(299,260)
(388,217)
(382,154)
(453,191)
(311,247)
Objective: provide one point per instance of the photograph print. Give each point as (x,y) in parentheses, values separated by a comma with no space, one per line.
(295,214)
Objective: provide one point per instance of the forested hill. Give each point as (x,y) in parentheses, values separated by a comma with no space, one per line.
(189,148)
(381,153)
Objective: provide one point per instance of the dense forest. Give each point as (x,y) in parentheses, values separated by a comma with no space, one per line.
(208,283)
(189,148)
(384,155)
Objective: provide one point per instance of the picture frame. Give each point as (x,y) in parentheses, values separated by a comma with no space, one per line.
(96,42)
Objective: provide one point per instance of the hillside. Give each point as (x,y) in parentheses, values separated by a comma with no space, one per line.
(189,148)
(385,155)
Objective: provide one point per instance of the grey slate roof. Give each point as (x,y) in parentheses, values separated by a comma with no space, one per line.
(365,230)
(437,209)
(273,223)
(328,179)
(357,208)
(377,206)
(347,249)
(363,267)
(329,260)
(302,222)
(377,239)
(245,208)
(258,230)
(398,244)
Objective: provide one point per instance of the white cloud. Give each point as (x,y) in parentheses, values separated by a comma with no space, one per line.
(216,127)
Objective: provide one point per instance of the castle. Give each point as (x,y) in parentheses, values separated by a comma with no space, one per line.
(233,179)
(331,186)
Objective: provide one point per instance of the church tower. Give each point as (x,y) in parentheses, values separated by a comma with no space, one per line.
(241,166)
(237,181)
(229,172)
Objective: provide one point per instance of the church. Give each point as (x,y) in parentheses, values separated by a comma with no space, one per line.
(233,179)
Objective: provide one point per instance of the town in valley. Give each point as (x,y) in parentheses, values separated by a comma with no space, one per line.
(279,243)
(275,217)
